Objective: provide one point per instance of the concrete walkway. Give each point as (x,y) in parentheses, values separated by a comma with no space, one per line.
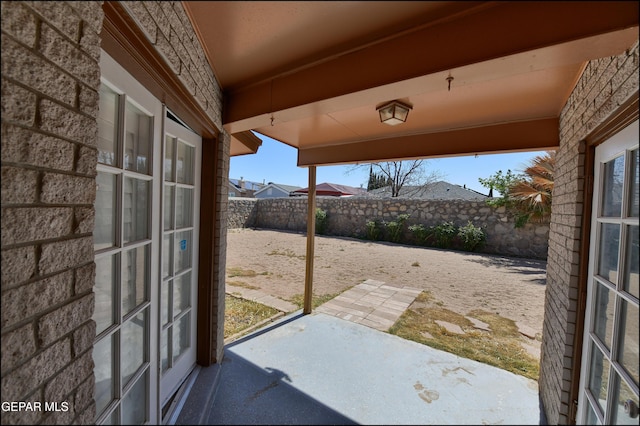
(260,297)
(372,303)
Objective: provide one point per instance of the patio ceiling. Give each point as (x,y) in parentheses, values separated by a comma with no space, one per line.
(311,74)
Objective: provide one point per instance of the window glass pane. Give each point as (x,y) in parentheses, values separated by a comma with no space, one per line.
(168,207)
(137,139)
(592,419)
(181,293)
(623,395)
(603,314)
(114,417)
(629,342)
(599,376)
(181,336)
(133,345)
(107,119)
(135,277)
(169,149)
(103,370)
(164,350)
(105,283)
(182,255)
(613,187)
(630,283)
(134,403)
(185,164)
(609,246)
(184,204)
(164,301)
(167,255)
(633,199)
(136,211)
(104,233)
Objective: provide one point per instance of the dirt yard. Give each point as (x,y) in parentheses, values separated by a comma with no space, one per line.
(513,288)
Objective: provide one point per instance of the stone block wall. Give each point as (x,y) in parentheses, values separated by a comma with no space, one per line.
(348,217)
(50,80)
(242,212)
(605,84)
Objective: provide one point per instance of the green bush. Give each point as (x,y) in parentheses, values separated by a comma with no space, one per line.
(473,237)
(395,228)
(373,230)
(321,221)
(444,234)
(421,234)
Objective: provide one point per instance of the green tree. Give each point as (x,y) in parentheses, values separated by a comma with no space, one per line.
(376,180)
(527,195)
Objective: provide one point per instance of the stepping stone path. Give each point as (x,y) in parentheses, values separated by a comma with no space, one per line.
(525,330)
(452,328)
(480,325)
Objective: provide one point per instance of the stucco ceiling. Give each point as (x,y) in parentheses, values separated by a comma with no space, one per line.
(311,74)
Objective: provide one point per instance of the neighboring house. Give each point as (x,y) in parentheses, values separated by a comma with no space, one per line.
(331,190)
(115,163)
(243,188)
(275,190)
(440,190)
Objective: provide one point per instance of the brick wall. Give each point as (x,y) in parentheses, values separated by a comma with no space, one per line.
(220,237)
(605,84)
(348,217)
(167,27)
(50,78)
(50,81)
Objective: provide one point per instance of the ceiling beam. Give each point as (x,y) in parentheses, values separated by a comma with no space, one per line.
(506,28)
(535,135)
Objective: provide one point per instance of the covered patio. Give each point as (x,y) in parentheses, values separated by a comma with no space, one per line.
(320,369)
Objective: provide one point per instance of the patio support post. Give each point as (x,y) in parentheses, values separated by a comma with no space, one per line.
(311,231)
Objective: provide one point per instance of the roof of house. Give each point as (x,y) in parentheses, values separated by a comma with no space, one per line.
(284,188)
(251,186)
(333,189)
(440,190)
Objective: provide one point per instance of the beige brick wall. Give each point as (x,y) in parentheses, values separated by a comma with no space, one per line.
(220,236)
(50,81)
(167,27)
(50,77)
(605,84)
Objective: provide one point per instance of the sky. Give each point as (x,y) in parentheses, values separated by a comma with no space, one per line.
(276,162)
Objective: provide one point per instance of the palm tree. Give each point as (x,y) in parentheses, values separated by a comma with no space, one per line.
(532,195)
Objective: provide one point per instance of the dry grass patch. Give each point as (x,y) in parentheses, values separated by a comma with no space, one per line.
(236,271)
(287,253)
(316,300)
(500,347)
(240,314)
(243,285)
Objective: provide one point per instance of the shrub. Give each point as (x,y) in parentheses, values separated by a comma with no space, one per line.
(373,230)
(395,228)
(473,237)
(444,234)
(321,221)
(421,234)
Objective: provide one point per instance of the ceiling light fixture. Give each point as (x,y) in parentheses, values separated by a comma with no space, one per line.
(394,112)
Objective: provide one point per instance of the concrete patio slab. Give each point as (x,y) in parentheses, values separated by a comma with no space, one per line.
(319,369)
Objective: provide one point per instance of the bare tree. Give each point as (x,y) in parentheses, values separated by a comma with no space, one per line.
(399,174)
